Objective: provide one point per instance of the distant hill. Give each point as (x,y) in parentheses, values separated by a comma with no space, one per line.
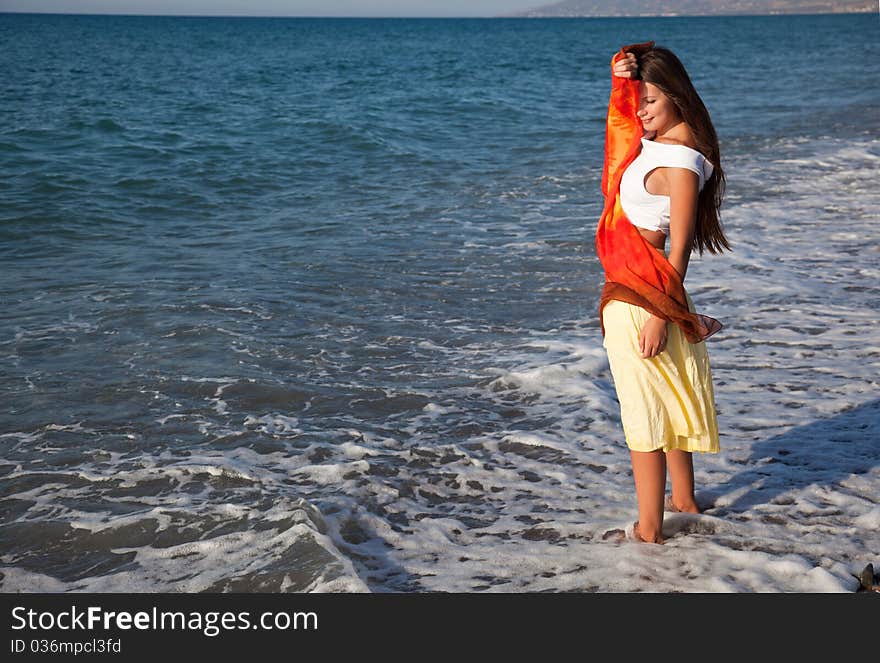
(697,7)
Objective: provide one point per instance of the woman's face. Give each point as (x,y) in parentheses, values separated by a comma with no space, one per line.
(656,110)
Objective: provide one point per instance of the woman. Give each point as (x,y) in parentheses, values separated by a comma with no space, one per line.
(662,178)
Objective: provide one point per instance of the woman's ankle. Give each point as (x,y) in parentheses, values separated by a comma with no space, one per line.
(685,505)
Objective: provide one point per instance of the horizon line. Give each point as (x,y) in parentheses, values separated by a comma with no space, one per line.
(492,16)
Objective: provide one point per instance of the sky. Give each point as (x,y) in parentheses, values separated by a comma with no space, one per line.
(278,7)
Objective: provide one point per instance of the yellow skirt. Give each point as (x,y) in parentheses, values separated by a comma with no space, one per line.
(667,401)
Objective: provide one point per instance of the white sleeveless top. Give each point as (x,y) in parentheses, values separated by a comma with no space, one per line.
(648,210)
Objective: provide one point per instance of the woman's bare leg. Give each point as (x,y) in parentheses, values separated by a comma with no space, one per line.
(681,474)
(649,474)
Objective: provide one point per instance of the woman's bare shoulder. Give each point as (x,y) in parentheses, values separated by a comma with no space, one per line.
(685,143)
(683,136)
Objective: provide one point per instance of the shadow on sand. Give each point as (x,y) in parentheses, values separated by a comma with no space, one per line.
(824,452)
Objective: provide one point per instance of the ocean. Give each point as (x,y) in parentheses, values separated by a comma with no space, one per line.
(310,305)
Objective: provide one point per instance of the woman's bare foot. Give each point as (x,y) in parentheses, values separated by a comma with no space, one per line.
(688,506)
(638,536)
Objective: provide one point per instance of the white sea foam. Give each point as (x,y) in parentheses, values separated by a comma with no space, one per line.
(791,499)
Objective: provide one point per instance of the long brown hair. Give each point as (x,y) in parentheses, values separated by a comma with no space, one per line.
(659,66)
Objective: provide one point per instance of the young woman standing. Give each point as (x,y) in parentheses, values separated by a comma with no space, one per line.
(662,179)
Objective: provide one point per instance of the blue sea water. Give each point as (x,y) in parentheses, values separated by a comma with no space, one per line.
(317,298)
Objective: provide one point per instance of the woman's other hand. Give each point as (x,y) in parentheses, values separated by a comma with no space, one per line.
(652,338)
(627,67)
